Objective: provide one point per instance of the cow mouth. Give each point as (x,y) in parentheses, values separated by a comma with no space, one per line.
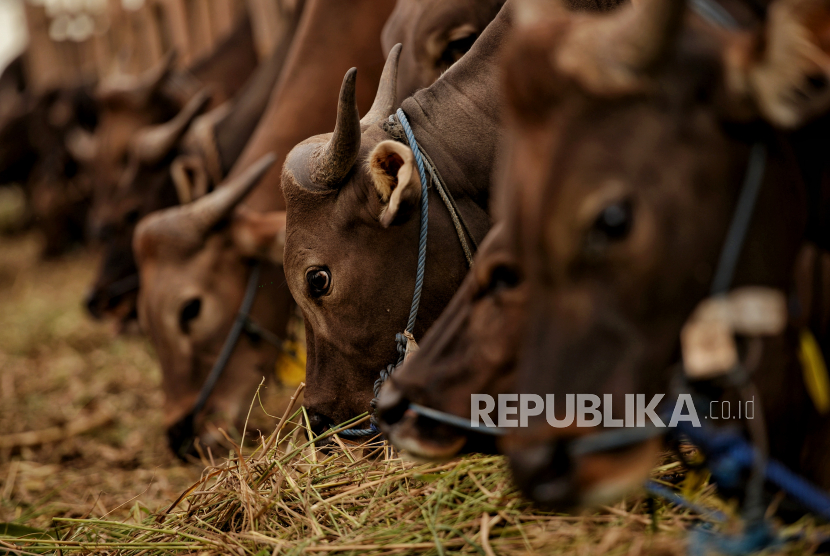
(424,439)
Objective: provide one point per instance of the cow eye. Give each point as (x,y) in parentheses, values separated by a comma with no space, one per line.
(189,312)
(457,48)
(319,281)
(615,220)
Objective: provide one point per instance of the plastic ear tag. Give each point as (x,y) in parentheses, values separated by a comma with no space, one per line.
(708,341)
(815,371)
(411,346)
(758,311)
(290,365)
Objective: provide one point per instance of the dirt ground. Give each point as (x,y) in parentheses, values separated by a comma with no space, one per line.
(59,368)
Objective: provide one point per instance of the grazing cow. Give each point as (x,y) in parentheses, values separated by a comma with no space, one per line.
(631,142)
(131,103)
(352,237)
(435,34)
(173,163)
(192,284)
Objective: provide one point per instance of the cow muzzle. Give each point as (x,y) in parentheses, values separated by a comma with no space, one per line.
(421,437)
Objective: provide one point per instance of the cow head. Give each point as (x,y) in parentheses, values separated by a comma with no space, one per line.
(435,34)
(630,141)
(194,261)
(472,348)
(145,186)
(352,200)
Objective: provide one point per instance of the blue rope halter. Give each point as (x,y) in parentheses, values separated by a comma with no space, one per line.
(400,339)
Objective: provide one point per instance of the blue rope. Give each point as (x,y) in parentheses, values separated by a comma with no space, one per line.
(422,242)
(728,453)
(400,339)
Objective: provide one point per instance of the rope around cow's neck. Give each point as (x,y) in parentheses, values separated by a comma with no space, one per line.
(400,339)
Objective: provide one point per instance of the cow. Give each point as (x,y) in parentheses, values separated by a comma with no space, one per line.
(435,34)
(130,103)
(352,200)
(173,163)
(191,290)
(631,147)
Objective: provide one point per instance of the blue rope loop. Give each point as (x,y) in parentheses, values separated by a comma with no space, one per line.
(422,242)
(400,339)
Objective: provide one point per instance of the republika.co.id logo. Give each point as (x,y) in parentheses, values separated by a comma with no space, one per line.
(589,410)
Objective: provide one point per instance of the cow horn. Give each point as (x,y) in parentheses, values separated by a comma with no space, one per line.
(386,98)
(138,91)
(609,53)
(185,226)
(154,143)
(338,156)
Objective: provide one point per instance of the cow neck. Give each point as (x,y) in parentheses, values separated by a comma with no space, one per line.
(457,119)
(234,130)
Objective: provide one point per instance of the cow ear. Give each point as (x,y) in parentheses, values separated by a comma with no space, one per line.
(393,172)
(788,77)
(189,178)
(259,235)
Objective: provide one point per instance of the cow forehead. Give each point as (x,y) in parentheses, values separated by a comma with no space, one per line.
(304,197)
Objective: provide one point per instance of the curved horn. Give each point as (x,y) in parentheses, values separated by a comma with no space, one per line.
(153,143)
(386,98)
(185,227)
(337,157)
(137,91)
(609,53)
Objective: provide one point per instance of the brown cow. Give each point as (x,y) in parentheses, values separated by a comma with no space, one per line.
(190,292)
(352,238)
(177,162)
(631,151)
(435,34)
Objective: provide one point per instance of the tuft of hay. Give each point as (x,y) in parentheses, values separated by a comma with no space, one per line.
(295,493)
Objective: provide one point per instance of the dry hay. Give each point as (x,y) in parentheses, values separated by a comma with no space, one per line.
(110,485)
(293,494)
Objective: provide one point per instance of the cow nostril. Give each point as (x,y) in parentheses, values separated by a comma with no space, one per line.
(319,423)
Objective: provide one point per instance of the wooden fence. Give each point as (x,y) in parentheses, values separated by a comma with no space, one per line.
(98,38)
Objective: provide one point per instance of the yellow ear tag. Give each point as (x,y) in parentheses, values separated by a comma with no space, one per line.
(815,371)
(290,367)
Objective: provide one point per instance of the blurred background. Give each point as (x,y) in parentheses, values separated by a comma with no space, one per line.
(81,431)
